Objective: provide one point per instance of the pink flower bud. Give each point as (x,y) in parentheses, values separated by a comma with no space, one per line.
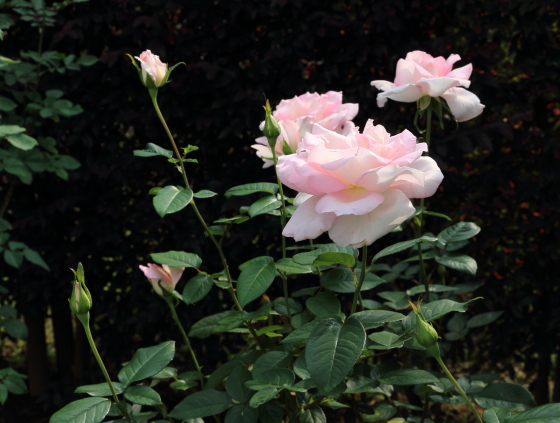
(154,68)
(164,275)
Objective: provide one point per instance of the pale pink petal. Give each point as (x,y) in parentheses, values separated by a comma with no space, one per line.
(174,272)
(323,183)
(330,139)
(380,179)
(383,85)
(301,198)
(451,60)
(437,86)
(461,73)
(463,104)
(265,153)
(358,231)
(306,223)
(406,73)
(406,94)
(416,186)
(356,201)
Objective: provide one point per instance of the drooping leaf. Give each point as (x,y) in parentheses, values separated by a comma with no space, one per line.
(400,246)
(332,351)
(254,280)
(205,326)
(177,259)
(458,232)
(22,141)
(197,288)
(264,205)
(205,403)
(408,377)
(171,199)
(460,262)
(147,362)
(505,395)
(483,319)
(87,410)
(99,389)
(251,188)
(142,395)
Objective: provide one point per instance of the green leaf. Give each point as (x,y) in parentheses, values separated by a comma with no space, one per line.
(271,413)
(263,396)
(436,309)
(495,415)
(147,362)
(386,339)
(331,258)
(22,141)
(197,288)
(279,305)
(332,351)
(309,257)
(460,262)
(242,413)
(271,360)
(204,194)
(7,105)
(99,389)
(549,413)
(3,393)
(15,384)
(458,232)
(251,188)
(66,162)
(235,385)
(324,304)
(373,318)
(264,205)
(483,319)
(221,373)
(301,334)
(360,384)
(87,410)
(254,280)
(277,377)
(177,259)
(10,130)
(400,246)
(153,150)
(171,199)
(408,377)
(7,311)
(16,328)
(4,225)
(34,257)
(201,404)
(430,213)
(13,258)
(313,415)
(205,326)
(341,280)
(420,289)
(288,266)
(383,411)
(505,395)
(142,395)
(86,60)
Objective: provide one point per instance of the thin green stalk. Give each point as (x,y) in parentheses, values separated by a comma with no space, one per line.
(153,96)
(169,301)
(283,216)
(458,387)
(360,283)
(85,324)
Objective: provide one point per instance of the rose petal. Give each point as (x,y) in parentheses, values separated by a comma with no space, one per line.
(463,104)
(358,231)
(437,86)
(356,201)
(406,94)
(420,186)
(306,223)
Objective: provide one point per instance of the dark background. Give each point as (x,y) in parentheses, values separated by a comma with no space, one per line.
(501,169)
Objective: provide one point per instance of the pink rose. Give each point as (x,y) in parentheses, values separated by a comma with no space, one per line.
(420,75)
(298,115)
(152,66)
(357,186)
(169,276)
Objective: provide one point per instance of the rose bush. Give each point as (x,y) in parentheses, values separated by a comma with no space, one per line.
(169,276)
(420,74)
(356,186)
(297,116)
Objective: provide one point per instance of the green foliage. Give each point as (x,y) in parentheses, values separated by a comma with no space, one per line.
(147,362)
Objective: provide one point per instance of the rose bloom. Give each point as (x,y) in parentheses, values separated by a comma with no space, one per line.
(152,66)
(298,115)
(420,74)
(357,186)
(169,276)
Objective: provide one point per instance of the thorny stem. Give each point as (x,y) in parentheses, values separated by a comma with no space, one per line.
(283,216)
(153,95)
(458,387)
(169,301)
(360,283)
(121,406)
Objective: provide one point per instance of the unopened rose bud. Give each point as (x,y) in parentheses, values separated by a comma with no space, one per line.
(80,301)
(271,128)
(426,335)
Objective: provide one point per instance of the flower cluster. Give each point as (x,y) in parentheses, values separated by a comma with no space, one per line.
(420,74)
(356,186)
(297,116)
